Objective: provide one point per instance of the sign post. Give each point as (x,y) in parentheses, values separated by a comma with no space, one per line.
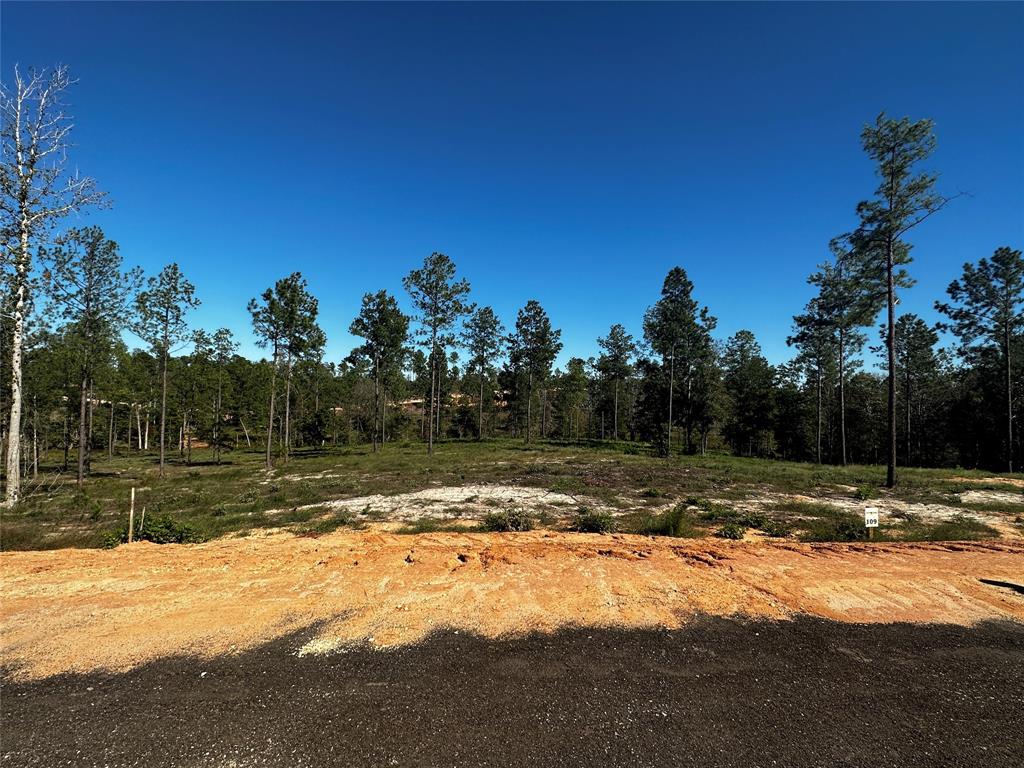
(131,516)
(870,519)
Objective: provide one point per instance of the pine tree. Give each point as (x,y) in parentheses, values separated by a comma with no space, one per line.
(904,198)
(484,338)
(615,364)
(161,310)
(532,350)
(83,276)
(987,309)
(285,322)
(386,331)
(749,385)
(223,348)
(813,338)
(441,302)
(849,298)
(679,331)
(916,364)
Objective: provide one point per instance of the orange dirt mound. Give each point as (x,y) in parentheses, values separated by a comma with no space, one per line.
(79,610)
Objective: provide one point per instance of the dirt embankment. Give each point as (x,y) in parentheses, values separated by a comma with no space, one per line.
(81,610)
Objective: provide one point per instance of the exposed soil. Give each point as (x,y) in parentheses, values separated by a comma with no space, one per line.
(446,502)
(716,692)
(463,505)
(83,610)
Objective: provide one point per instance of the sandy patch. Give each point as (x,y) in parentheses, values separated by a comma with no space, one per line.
(1017,482)
(894,510)
(79,610)
(449,502)
(994,497)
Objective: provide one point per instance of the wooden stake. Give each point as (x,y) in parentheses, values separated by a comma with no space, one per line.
(131,517)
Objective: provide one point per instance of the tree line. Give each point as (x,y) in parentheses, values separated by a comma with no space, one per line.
(71,384)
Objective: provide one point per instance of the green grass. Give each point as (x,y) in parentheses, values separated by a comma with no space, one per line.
(678,522)
(429,525)
(239,495)
(958,528)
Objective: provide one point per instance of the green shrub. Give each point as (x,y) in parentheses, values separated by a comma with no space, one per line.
(589,521)
(159,529)
(712,512)
(328,524)
(249,495)
(733,531)
(866,492)
(506,520)
(756,520)
(776,528)
(835,526)
(678,522)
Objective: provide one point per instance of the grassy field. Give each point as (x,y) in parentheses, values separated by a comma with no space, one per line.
(612,485)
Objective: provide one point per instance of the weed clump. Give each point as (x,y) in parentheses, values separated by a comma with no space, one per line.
(588,521)
(428,525)
(678,522)
(834,526)
(776,529)
(508,520)
(866,492)
(732,531)
(159,529)
(328,524)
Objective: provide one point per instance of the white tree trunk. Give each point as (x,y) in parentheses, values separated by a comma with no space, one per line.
(13,491)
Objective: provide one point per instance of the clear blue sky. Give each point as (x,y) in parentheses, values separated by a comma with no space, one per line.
(568,153)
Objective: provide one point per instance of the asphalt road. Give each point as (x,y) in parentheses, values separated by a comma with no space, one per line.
(716,693)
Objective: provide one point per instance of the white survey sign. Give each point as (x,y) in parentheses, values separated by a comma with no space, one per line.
(870,517)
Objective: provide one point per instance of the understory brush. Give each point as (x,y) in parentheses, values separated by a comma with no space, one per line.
(678,522)
(508,520)
(159,529)
(591,521)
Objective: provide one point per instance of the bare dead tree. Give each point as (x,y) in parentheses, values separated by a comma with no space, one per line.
(37,189)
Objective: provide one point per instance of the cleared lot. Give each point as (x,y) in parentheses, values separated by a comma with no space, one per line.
(80,610)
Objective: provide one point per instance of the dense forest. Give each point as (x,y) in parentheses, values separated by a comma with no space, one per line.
(97,358)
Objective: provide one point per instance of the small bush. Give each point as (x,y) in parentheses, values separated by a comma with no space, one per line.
(753,520)
(732,531)
(866,492)
(588,521)
(249,495)
(159,529)
(329,524)
(776,529)
(836,526)
(506,520)
(678,522)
